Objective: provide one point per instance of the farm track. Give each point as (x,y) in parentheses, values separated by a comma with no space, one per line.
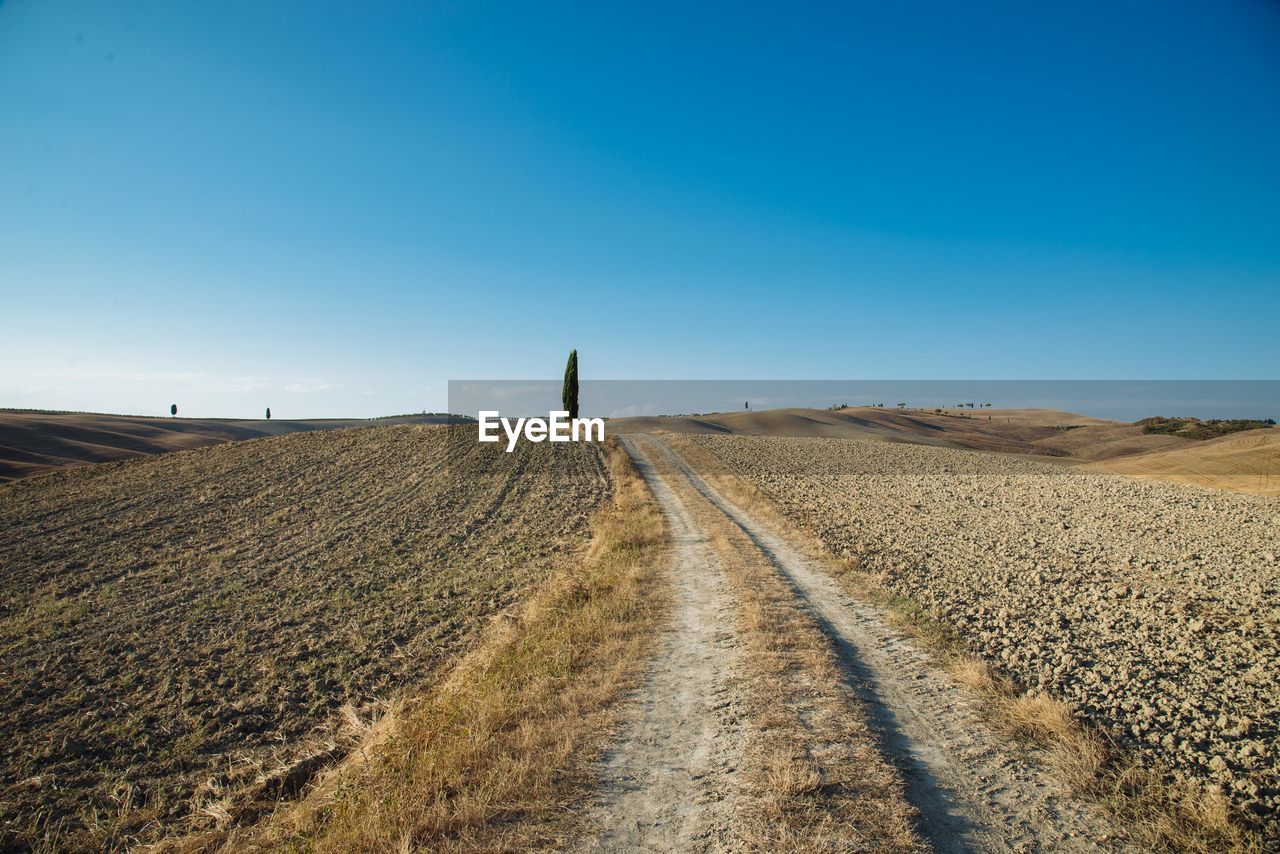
(172,627)
(971,789)
(669,782)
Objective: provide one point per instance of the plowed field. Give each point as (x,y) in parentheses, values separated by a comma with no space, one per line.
(175,628)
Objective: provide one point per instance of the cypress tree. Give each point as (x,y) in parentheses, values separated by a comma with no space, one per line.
(173,410)
(268,413)
(569,393)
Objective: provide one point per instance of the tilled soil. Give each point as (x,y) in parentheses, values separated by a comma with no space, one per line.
(171,628)
(1154,609)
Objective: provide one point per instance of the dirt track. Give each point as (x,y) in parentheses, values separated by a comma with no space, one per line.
(971,791)
(669,781)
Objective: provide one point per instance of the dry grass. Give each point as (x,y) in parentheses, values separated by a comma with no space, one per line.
(495,756)
(1159,807)
(1077,754)
(815,777)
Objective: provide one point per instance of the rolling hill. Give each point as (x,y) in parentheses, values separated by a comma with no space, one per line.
(32,442)
(1043,432)
(1242,462)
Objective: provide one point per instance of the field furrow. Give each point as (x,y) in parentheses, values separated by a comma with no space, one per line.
(172,629)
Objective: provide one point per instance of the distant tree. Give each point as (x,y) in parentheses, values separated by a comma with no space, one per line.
(902,406)
(173,410)
(569,393)
(746,405)
(268,413)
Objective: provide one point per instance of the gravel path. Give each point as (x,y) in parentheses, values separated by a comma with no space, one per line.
(668,784)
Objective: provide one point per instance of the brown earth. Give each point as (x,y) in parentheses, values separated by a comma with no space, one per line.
(1152,609)
(1043,432)
(35,442)
(174,628)
(496,754)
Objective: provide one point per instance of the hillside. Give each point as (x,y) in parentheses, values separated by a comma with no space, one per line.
(814,423)
(180,633)
(1043,432)
(35,442)
(1243,462)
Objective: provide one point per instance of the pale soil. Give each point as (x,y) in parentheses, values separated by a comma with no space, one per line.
(1152,609)
(174,627)
(669,783)
(972,788)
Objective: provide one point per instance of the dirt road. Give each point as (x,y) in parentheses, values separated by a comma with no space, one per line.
(670,779)
(971,789)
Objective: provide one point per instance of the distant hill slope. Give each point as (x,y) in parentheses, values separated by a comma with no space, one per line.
(34,442)
(772,422)
(1243,462)
(1044,432)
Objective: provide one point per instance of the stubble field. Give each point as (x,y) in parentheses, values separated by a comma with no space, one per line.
(183,637)
(1152,609)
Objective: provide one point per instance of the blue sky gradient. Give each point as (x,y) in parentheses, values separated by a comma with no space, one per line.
(332,208)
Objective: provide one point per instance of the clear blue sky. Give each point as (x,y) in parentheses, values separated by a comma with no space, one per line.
(333,208)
